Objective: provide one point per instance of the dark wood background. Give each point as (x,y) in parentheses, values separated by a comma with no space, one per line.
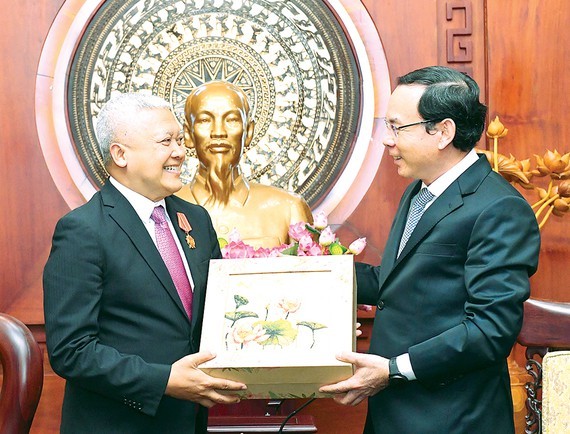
(516,49)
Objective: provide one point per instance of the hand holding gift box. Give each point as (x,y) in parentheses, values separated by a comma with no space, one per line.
(276,323)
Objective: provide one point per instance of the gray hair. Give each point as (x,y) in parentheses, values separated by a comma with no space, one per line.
(119,109)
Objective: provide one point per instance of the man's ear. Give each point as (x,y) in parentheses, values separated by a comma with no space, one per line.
(188,142)
(249,132)
(118,154)
(447,133)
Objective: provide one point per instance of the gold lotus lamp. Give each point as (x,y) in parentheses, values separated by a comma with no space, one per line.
(555,198)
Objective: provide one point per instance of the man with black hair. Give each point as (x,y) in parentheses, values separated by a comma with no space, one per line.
(454,274)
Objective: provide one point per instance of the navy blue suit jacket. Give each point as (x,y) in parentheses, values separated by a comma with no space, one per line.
(453,300)
(114,321)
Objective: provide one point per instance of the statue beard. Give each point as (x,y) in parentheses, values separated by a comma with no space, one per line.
(219,182)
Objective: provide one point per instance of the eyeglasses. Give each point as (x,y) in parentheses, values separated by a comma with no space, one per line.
(394,129)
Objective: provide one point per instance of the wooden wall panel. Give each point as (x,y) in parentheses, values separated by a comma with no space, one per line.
(519,59)
(529,48)
(31,203)
(414,35)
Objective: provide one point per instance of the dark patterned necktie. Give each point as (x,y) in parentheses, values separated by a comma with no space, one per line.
(417,208)
(171,257)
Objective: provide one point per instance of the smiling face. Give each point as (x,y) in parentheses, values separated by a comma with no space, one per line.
(417,153)
(217,125)
(148,153)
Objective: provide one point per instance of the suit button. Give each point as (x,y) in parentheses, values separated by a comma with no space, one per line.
(380,305)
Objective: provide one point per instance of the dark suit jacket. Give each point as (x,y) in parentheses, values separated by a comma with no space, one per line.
(453,300)
(114,321)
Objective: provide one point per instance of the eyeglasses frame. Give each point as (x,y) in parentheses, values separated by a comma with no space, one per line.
(396,129)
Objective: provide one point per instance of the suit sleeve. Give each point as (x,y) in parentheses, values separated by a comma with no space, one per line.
(367,283)
(73,282)
(502,254)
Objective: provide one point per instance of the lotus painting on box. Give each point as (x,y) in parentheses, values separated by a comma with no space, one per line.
(276,324)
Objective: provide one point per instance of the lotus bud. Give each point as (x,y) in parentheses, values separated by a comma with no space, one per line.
(496,129)
(357,246)
(542,193)
(320,220)
(327,237)
(561,205)
(564,189)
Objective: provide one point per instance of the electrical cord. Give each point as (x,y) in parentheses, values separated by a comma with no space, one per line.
(293,413)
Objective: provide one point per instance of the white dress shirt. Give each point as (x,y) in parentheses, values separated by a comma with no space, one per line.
(144,207)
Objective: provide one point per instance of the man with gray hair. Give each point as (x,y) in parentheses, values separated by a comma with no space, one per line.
(124,286)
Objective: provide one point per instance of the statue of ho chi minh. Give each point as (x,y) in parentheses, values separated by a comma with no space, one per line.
(218,126)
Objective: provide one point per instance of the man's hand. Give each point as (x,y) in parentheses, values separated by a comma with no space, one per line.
(358,332)
(370,377)
(188,382)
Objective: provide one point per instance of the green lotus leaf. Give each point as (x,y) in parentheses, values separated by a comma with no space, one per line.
(240,300)
(313,230)
(234,316)
(291,251)
(312,325)
(280,332)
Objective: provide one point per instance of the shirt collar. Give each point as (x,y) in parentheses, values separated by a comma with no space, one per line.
(438,186)
(142,205)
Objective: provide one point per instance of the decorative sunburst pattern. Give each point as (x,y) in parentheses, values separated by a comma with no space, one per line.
(290,57)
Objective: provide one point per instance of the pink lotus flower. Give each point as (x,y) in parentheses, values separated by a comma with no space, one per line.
(320,220)
(297,230)
(312,249)
(289,305)
(263,252)
(307,241)
(327,237)
(357,246)
(236,250)
(245,333)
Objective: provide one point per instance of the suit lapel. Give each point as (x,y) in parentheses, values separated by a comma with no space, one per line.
(121,211)
(446,203)
(393,243)
(449,201)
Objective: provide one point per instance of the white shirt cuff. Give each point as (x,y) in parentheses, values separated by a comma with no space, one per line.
(405,366)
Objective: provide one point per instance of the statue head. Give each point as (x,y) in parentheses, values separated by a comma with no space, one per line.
(217,124)
(218,127)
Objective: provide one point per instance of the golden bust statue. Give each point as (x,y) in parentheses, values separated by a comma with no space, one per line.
(218,126)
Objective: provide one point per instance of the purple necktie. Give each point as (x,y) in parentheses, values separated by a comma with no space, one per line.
(171,257)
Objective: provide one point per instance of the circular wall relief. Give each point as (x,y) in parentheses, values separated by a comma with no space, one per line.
(302,64)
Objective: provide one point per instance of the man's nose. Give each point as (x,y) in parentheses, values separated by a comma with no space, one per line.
(218,130)
(388,140)
(179,150)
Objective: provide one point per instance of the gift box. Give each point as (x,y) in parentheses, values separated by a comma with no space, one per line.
(276,324)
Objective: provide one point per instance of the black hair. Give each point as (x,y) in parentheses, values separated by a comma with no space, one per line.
(450,94)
